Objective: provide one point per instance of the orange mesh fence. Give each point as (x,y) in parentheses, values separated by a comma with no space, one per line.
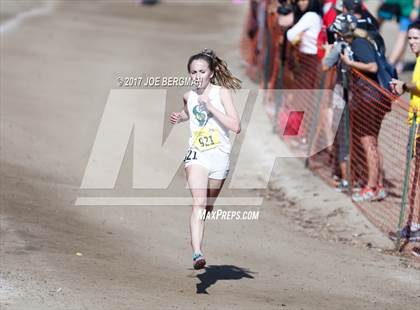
(413,212)
(300,82)
(259,42)
(328,129)
(275,35)
(378,135)
(366,139)
(245,43)
(300,71)
(272,65)
(378,144)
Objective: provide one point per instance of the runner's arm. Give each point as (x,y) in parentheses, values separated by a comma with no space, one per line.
(179,117)
(184,113)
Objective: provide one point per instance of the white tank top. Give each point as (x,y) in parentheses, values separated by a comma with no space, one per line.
(200,117)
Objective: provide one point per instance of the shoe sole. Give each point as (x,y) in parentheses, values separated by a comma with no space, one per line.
(199,264)
(362,200)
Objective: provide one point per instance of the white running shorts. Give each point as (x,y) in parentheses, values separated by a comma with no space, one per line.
(215,161)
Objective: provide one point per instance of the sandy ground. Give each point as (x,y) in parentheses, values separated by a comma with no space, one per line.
(310,248)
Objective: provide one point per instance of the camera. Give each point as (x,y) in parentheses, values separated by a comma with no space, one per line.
(284,7)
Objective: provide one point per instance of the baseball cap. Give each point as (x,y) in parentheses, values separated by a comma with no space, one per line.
(344,24)
(353,6)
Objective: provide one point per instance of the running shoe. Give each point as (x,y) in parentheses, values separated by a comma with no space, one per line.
(414,236)
(380,194)
(343,186)
(357,187)
(198,261)
(405,233)
(415,251)
(366,194)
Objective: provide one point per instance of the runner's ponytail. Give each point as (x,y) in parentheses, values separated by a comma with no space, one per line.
(221,74)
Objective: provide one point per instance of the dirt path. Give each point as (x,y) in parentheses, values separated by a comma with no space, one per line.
(57,71)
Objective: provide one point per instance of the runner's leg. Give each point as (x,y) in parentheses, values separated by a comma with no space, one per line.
(197,178)
(213,190)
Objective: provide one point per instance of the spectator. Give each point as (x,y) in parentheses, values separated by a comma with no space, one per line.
(305,34)
(304,64)
(366,117)
(412,230)
(285,13)
(261,49)
(367,25)
(252,26)
(279,18)
(344,25)
(365,20)
(404,11)
(329,13)
(251,53)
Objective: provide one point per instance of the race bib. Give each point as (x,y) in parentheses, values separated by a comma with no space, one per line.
(206,138)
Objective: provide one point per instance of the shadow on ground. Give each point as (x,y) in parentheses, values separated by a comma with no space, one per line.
(213,274)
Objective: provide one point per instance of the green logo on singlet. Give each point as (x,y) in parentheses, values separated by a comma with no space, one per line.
(200,115)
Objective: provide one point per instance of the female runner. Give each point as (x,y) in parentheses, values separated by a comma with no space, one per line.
(211,113)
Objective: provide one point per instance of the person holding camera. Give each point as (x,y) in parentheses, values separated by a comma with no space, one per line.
(365,113)
(343,25)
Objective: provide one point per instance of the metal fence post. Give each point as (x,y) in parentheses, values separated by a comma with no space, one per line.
(409,157)
(267,57)
(279,81)
(315,119)
(345,79)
